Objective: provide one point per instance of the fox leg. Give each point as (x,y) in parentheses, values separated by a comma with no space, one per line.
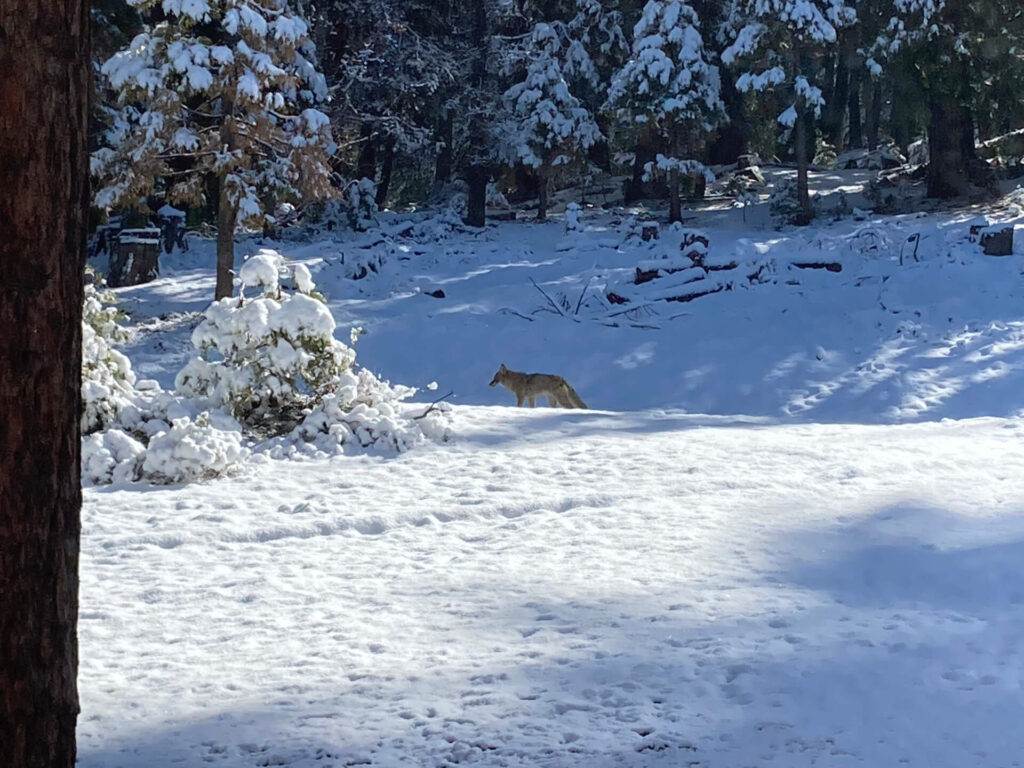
(533,401)
(519,400)
(553,401)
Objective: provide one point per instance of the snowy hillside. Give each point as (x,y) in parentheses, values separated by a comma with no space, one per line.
(788,532)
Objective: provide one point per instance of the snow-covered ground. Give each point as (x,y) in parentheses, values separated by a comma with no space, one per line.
(788,532)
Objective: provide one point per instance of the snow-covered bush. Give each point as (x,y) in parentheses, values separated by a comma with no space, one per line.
(193,449)
(274,363)
(573,215)
(366,412)
(361,197)
(265,359)
(112,456)
(784,203)
(107,377)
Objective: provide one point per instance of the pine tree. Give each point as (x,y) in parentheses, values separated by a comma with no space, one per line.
(221,88)
(964,58)
(669,87)
(548,125)
(780,41)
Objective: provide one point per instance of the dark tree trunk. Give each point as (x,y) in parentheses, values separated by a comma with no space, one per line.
(874,113)
(644,153)
(802,162)
(443,163)
(386,167)
(675,207)
(855,136)
(226,219)
(700,186)
(227,213)
(476,204)
(44,55)
(947,162)
(840,102)
(543,188)
(366,165)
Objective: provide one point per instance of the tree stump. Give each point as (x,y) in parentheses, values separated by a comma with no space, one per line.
(997,242)
(136,258)
(649,231)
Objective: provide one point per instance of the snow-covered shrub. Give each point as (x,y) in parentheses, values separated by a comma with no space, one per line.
(784,204)
(192,450)
(263,270)
(107,377)
(264,359)
(361,197)
(112,456)
(573,215)
(365,412)
(495,199)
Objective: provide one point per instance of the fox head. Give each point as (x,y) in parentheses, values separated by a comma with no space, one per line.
(499,375)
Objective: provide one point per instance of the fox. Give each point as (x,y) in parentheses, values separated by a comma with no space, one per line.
(530,386)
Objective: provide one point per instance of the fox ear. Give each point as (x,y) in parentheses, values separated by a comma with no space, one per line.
(503,368)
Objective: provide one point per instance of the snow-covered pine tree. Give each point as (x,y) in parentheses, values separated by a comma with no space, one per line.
(221,88)
(778,40)
(668,86)
(548,125)
(963,61)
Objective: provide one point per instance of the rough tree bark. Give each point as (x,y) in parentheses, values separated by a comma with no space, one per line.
(947,147)
(227,213)
(44,55)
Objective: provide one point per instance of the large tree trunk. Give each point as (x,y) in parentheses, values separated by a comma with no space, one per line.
(645,152)
(947,158)
(44,55)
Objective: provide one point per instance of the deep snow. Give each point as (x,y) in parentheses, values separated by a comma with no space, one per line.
(788,533)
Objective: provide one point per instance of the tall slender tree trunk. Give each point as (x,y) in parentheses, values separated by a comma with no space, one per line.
(44,55)
(386,168)
(873,111)
(476,203)
(839,104)
(227,213)
(366,165)
(478,170)
(802,163)
(543,188)
(227,217)
(675,208)
(444,161)
(855,136)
